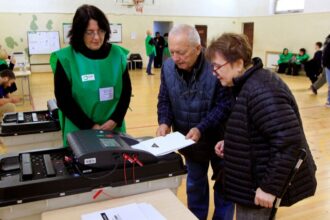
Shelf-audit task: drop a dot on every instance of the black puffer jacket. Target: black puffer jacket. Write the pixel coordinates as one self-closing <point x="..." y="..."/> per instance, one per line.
<point x="263" y="136"/>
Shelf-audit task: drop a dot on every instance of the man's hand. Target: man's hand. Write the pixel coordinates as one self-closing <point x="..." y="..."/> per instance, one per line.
<point x="194" y="134"/>
<point x="264" y="199"/>
<point x="219" y="148"/>
<point x="108" y="125"/>
<point x="163" y="130"/>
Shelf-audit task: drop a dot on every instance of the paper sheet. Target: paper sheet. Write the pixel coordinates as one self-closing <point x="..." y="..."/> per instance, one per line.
<point x="165" y="144"/>
<point x="137" y="211"/>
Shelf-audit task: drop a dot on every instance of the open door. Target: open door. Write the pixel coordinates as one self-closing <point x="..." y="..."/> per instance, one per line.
<point x="202" y="31"/>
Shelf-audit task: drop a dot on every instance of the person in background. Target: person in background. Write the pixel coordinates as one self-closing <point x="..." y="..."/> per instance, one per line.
<point x="326" y="65"/>
<point x="321" y="80"/>
<point x="166" y="51"/>
<point x="297" y="62"/>
<point x="150" y="51"/>
<point x="91" y="80"/>
<point x="159" y="43"/>
<point x="284" y="59"/>
<point x="264" y="133"/>
<point x="313" y="67"/>
<point x="4" y="65"/>
<point x="192" y="102"/>
<point x="7" y="103"/>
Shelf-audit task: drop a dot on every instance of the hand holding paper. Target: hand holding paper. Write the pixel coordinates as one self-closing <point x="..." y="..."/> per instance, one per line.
<point x="164" y="144"/>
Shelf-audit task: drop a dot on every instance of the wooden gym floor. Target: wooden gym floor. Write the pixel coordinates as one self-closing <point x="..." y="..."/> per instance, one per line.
<point x="141" y="120"/>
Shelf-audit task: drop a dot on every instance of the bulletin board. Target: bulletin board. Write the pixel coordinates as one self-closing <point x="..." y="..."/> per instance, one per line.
<point x="115" y="36"/>
<point x="116" y="31"/>
<point x="43" y="42"/>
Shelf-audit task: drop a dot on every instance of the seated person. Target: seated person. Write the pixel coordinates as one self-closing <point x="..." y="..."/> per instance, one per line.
<point x="7" y="103"/>
<point x="3" y="65"/>
<point x="283" y="62"/>
<point x="313" y="67"/>
<point x="297" y="61"/>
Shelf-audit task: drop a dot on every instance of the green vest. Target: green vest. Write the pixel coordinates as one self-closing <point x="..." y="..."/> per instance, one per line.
<point x="301" y="58"/>
<point x="3" y="62"/>
<point x="150" y="48"/>
<point x="90" y="78"/>
<point x="284" y="58"/>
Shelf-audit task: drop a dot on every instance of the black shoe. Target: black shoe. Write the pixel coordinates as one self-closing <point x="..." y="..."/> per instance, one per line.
<point x="314" y="90"/>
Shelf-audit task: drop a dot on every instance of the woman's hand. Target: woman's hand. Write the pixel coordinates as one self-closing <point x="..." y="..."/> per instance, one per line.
<point x="264" y="199"/>
<point x="108" y="125"/>
<point x="219" y="148"/>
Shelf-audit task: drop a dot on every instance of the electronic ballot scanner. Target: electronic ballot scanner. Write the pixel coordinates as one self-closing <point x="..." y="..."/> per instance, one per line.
<point x="95" y="159"/>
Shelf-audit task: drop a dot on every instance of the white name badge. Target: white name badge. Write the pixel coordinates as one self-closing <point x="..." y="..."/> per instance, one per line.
<point x="106" y="94"/>
<point x="88" y="77"/>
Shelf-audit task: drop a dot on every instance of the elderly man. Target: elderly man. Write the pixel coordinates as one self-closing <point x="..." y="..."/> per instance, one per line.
<point x="192" y="102"/>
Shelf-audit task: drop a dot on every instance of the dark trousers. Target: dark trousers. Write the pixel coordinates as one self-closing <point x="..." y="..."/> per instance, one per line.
<point x="282" y="67"/>
<point x="198" y="192"/>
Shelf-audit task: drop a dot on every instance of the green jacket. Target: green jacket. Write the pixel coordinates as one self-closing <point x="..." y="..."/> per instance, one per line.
<point x="301" y="58"/>
<point x="150" y="48"/>
<point x="285" y="58"/>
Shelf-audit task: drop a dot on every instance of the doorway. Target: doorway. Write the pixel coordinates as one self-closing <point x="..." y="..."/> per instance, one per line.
<point x="161" y="28"/>
<point x="202" y="31"/>
<point x="248" y="29"/>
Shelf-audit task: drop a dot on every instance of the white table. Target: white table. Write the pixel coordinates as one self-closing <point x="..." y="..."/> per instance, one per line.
<point x="25" y="79"/>
<point x="163" y="200"/>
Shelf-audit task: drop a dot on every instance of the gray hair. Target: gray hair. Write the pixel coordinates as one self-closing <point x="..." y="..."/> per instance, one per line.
<point x="191" y="32"/>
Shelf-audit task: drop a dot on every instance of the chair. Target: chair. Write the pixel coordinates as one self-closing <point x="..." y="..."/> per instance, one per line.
<point x="136" y="61"/>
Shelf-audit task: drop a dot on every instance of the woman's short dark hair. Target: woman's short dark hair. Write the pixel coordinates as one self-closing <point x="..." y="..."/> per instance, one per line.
<point x="303" y="50"/>
<point x="7" y="73"/>
<point x="80" y="22"/>
<point x="232" y="47"/>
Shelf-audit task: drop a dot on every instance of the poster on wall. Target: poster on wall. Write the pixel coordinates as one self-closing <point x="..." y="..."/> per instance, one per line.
<point x="116" y="30"/>
<point x="43" y="42"/>
<point x="115" y="36"/>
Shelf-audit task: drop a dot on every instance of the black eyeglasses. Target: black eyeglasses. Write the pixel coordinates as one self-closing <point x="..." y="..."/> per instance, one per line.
<point x="217" y="67"/>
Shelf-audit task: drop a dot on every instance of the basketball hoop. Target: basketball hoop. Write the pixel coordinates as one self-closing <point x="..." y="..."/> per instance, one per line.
<point x="138" y="5"/>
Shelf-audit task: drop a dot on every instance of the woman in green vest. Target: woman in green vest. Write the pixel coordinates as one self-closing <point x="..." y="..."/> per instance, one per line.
<point x="297" y="62"/>
<point x="283" y="62"/>
<point x="92" y="84"/>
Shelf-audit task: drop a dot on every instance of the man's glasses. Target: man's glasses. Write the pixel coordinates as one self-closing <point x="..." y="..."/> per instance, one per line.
<point x="92" y="34"/>
<point x="217" y="67"/>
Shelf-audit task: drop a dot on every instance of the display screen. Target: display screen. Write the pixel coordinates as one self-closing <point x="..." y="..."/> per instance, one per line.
<point x="109" y="142"/>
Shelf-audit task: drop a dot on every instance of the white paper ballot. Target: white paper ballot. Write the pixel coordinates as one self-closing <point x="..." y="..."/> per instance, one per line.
<point x="164" y="144"/>
<point x="136" y="211"/>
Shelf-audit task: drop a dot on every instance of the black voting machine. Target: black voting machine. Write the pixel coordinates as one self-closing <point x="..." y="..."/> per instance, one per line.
<point x="21" y="123"/>
<point x="94" y="159"/>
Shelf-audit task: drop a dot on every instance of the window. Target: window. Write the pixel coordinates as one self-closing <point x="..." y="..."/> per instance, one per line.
<point x="289" y="6"/>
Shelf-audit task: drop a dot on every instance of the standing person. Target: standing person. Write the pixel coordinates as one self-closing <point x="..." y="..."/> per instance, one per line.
<point x="7" y="103"/>
<point x="313" y="67"/>
<point x="150" y="51"/>
<point x="284" y="60"/>
<point x="326" y="65"/>
<point x="264" y="133"/>
<point x="159" y="43"/>
<point x="166" y="51"/>
<point x="192" y="102"/>
<point x="92" y="84"/>
<point x="321" y="80"/>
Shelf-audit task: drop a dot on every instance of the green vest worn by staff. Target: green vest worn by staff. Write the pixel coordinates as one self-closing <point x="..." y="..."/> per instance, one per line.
<point x="96" y="84"/>
<point x="150" y="48"/>
<point x="3" y="62"/>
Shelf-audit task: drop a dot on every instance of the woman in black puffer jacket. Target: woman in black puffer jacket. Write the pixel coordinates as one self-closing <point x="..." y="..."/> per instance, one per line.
<point x="264" y="133"/>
